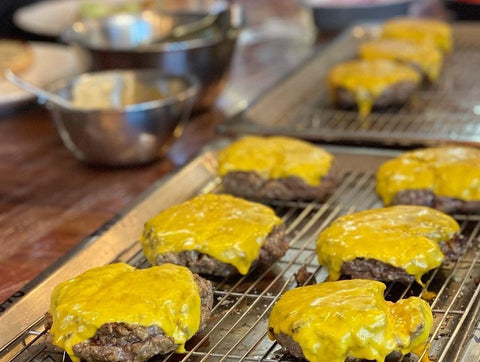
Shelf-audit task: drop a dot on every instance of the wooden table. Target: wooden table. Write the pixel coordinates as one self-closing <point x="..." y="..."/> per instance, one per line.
<point x="49" y="201"/>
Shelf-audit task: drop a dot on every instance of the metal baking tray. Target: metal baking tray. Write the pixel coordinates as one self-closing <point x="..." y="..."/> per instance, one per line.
<point x="300" y="106"/>
<point x="237" y="329"/>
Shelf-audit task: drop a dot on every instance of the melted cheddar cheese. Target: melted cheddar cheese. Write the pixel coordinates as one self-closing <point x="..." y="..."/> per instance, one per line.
<point x="368" y="79"/>
<point x="425" y="57"/>
<point x="406" y="237"/>
<point x="420" y="30"/>
<point x="350" y="318"/>
<point x="447" y="171"/>
<point x="165" y="296"/>
<point x="227" y="228"/>
<point x="276" y="157"/>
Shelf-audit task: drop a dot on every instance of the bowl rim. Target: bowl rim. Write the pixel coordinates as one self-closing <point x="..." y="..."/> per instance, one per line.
<point x="69" y="35"/>
<point x="189" y="93"/>
<point x="332" y="5"/>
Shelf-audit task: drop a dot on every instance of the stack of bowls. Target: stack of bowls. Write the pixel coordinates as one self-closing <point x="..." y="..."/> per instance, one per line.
<point x="143" y="40"/>
<point x="181" y="56"/>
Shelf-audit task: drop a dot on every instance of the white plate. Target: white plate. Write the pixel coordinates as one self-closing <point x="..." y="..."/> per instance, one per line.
<point x="51" y="17"/>
<point x="47" y="18"/>
<point x="50" y="62"/>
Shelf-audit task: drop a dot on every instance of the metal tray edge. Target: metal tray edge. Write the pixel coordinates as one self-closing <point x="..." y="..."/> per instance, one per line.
<point x="102" y="248"/>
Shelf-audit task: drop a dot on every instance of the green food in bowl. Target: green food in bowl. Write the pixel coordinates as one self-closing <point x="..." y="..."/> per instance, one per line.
<point x="98" y="10"/>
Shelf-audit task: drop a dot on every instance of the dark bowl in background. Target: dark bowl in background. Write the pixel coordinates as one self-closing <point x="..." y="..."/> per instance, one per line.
<point x="464" y="10"/>
<point x="332" y="17"/>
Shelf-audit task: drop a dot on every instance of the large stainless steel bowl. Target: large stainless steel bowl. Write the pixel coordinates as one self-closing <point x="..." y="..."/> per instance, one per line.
<point x="122" y="42"/>
<point x="131" y="135"/>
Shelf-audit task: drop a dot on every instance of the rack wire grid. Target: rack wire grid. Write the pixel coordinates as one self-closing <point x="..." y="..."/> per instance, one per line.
<point x="445" y="112"/>
<point x="237" y="329"/>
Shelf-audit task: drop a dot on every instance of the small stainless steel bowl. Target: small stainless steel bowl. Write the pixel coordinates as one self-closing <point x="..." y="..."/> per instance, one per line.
<point x="121" y="42"/>
<point x="127" y="136"/>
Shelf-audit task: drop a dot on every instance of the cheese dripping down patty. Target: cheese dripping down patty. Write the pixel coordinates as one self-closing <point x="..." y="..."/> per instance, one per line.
<point x="165" y="296"/>
<point x="225" y="227"/>
<point x="276" y="157"/>
<point x="367" y="79"/>
<point x="405" y="237"/>
<point x="350" y="318"/>
<point x="447" y="171"/>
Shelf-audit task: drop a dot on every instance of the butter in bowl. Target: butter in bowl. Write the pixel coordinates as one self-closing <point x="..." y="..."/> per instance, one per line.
<point x="122" y="118"/>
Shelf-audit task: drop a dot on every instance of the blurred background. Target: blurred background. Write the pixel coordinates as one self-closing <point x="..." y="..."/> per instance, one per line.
<point x="293" y="29"/>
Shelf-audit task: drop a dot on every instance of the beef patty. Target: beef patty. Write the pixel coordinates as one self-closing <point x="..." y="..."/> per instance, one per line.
<point x="251" y="185"/>
<point x="393" y="96"/>
<point x="448" y="205"/>
<point x="361" y="268"/>
<point x="273" y="248"/>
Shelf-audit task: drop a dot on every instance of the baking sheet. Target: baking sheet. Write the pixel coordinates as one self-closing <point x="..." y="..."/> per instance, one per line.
<point x="446" y="112"/>
<point x="237" y="329"/>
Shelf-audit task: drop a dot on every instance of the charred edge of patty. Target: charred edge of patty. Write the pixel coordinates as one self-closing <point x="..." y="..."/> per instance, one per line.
<point x="294" y="349"/>
<point x="251" y="185"/>
<point x="273" y="248"/>
<point x="131" y="342"/>
<point x="448" y="205"/>
<point x="373" y="269"/>
<point x="205" y="289"/>
<point x="361" y="268"/>
<point x="395" y="95"/>
<point x="124" y="342"/>
<point x="454" y="248"/>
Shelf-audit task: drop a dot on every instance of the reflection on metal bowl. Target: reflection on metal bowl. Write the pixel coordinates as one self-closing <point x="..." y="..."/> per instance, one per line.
<point x="124" y="135"/>
<point x="127" y="41"/>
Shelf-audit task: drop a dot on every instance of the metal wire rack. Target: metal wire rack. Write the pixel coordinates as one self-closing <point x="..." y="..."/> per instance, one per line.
<point x="445" y="112"/>
<point x="237" y="328"/>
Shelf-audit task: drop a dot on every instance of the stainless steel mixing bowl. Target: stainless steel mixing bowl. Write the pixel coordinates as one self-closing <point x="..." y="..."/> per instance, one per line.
<point x="130" y="135"/>
<point x="122" y="42"/>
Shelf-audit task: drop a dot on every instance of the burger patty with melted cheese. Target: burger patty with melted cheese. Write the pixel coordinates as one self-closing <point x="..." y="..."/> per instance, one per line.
<point x="424" y="57"/>
<point x="406" y="239"/>
<point x="119" y="313"/>
<point x="369" y="83"/>
<point x="211" y="232"/>
<point x="350" y="318"/>
<point x="450" y="172"/>
<point x="421" y="30"/>
<point x="275" y="168"/>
